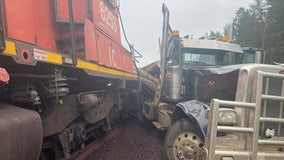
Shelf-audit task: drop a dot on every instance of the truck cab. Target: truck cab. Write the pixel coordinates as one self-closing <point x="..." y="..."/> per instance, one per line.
<point x="195" y="59"/>
<point x="178" y="89"/>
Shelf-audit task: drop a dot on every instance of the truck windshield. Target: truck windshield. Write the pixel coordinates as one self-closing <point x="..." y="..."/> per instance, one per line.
<point x="199" y="58"/>
<point x="249" y="58"/>
<point x="213" y="57"/>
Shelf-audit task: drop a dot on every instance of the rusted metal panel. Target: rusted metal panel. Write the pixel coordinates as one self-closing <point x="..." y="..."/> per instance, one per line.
<point x="79" y="10"/>
<point x="90" y="42"/>
<point x="20" y="132"/>
<point x="20" y="20"/>
<point x="106" y="19"/>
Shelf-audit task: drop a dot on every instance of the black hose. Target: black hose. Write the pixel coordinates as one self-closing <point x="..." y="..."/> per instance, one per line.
<point x="133" y="51"/>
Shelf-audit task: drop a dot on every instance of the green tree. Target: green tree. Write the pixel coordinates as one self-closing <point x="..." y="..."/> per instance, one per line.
<point x="259" y="10"/>
<point x="261" y="26"/>
<point x="215" y="34"/>
<point x="274" y="32"/>
<point x="229" y="30"/>
<point x="259" y="14"/>
<point x="248" y="28"/>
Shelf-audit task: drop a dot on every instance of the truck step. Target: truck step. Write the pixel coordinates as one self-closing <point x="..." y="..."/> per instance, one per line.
<point x="164" y="117"/>
<point x="158" y="125"/>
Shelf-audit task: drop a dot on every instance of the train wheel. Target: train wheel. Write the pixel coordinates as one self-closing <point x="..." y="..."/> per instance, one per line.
<point x="182" y="143"/>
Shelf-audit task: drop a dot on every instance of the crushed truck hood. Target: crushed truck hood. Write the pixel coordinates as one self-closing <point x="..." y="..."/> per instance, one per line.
<point x="207" y="82"/>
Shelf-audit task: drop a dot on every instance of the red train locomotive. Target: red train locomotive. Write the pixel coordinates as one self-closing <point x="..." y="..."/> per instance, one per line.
<point x="64" y="75"/>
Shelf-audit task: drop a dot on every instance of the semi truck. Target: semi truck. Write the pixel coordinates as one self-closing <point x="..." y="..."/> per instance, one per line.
<point x="64" y="76"/>
<point x="179" y="88"/>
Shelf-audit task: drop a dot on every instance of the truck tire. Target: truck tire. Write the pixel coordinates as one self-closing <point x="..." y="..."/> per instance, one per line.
<point x="182" y="142"/>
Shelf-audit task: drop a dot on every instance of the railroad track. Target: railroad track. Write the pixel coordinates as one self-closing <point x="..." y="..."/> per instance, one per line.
<point x="90" y="149"/>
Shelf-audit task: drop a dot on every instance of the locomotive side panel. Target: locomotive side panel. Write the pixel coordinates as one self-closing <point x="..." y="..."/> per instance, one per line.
<point x="20" y="27"/>
<point x="44" y="25"/>
<point x="62" y="10"/>
<point x="105" y="18"/>
<point x="104" y="49"/>
<point x="128" y="63"/>
<point x="91" y="53"/>
<point x="46" y="28"/>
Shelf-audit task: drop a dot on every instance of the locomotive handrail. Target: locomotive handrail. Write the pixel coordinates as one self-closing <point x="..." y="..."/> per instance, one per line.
<point x="72" y="31"/>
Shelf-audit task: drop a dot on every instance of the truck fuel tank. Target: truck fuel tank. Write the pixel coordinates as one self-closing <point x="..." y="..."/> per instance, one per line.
<point x="173" y="88"/>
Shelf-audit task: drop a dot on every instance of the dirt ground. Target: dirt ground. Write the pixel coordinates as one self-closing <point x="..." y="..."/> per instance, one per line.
<point x="134" y="141"/>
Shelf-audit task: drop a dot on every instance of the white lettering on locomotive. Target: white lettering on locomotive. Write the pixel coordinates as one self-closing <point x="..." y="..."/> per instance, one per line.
<point x="111" y="56"/>
<point x="108" y="17"/>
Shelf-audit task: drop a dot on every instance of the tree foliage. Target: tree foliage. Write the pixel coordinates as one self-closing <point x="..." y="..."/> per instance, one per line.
<point x="249" y="26"/>
<point x="214" y="34"/>
<point x="274" y="33"/>
<point x="261" y="26"/>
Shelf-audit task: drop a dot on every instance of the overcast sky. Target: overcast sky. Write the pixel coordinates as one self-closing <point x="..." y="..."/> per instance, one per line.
<point x="143" y="20"/>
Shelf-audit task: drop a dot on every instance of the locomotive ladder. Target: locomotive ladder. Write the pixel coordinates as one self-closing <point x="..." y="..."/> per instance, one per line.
<point x="252" y="130"/>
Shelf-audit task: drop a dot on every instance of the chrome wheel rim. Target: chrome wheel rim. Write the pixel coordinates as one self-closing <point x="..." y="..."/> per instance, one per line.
<point x="186" y="146"/>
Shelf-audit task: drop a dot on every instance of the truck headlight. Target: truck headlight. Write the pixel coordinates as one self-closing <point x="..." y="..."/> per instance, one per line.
<point x="227" y="116"/>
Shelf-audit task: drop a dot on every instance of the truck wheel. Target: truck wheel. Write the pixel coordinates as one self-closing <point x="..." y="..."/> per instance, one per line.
<point x="181" y="142"/>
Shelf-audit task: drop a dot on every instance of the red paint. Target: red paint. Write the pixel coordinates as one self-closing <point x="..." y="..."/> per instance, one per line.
<point x="90" y="42"/>
<point x="20" y="20"/>
<point x="111" y="54"/>
<point x="106" y="19"/>
<point x="103" y="46"/>
<point x="128" y="63"/>
<point x="34" y="22"/>
<point x="45" y="25"/>
<point x="79" y="10"/>
<point x="4" y="76"/>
